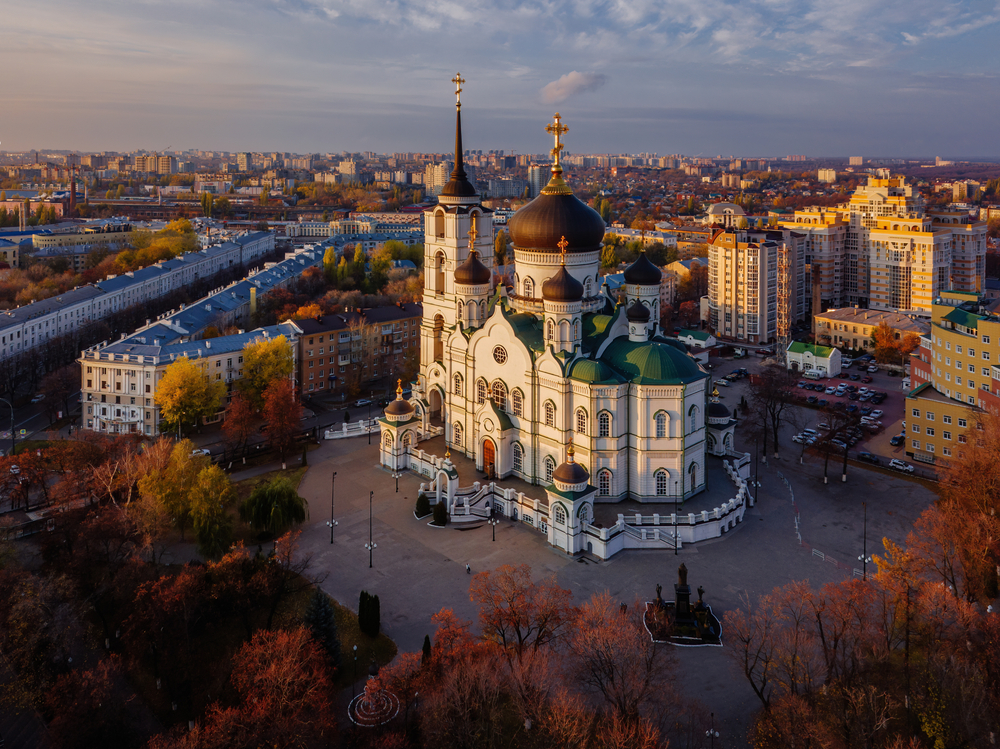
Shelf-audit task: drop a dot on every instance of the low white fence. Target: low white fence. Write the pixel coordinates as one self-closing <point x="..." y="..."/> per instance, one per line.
<point x="352" y="429"/>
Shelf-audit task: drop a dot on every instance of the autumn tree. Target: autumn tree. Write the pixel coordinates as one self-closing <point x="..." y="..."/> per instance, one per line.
<point x="210" y="497"/>
<point x="171" y="486"/>
<point x="273" y="506"/>
<point x="185" y="393"/>
<point x="283" y="413"/>
<point x="500" y="248"/>
<point x="265" y="360"/>
<point x="238" y="423"/>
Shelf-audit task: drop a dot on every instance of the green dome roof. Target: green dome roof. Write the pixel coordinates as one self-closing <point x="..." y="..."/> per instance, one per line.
<point x="651" y="362"/>
<point x="589" y="370"/>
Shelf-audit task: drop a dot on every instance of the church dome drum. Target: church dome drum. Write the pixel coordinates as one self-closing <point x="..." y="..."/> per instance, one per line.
<point x="472" y="272"/>
<point x="642" y="272"/>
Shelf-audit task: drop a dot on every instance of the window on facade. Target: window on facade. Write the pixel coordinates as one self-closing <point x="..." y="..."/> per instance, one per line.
<point x="550" y="467"/>
<point x="661" y="483"/>
<point x="916" y="412"/>
<point x="517" y="400"/>
<point x="963" y="423"/>
<point x="930" y="431"/>
<point x="499" y="394"/>
<point x="560" y="515"/>
<point x="457" y="435"/>
<point x="458" y="384"/>
<point x="694" y="419"/>
<point x="604" y="483"/>
<point x="581" y="421"/>
<point x="661" y="425"/>
<point x="481" y="391"/>
<point x="518" y="454"/>
<point x="604" y="424"/>
<point x="550" y="415"/>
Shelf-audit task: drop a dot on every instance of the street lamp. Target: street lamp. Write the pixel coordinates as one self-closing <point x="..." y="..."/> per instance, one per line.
<point x="864" y="558"/>
<point x="333" y="523"/>
<point x="494" y="522"/>
<point x="396" y="474"/>
<point x="12" y="435"/>
<point x="354" y="683"/>
<point x="712" y="733"/>
<point x="371" y="545"/>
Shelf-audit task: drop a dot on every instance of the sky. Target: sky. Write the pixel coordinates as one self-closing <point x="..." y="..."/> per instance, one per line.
<point x="891" y="78"/>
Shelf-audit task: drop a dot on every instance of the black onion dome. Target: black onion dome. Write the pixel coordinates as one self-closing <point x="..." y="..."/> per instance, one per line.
<point x="643" y="273"/>
<point x="555" y="214"/>
<point x="458" y="186"/>
<point x="472" y="272"/>
<point x="562" y="287"/>
<point x="717" y="411"/>
<point x="570" y="473"/>
<point x="399" y="407"/>
<point x="638" y="312"/>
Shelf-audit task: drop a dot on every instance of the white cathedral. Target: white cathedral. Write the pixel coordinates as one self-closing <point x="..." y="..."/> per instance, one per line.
<point x="552" y="375"/>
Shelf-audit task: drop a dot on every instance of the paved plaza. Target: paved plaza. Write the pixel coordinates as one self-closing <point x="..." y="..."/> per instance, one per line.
<point x="418" y="569"/>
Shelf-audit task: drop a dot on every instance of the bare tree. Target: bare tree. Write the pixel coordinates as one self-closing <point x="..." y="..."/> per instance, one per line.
<point x="771" y="395"/>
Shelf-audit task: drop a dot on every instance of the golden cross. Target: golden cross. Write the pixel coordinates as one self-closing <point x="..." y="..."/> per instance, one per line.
<point x="562" y="244"/>
<point x="557" y="129"/>
<point x="458" y="80"/>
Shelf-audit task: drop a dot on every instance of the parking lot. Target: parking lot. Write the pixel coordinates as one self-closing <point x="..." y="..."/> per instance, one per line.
<point x="811" y="415"/>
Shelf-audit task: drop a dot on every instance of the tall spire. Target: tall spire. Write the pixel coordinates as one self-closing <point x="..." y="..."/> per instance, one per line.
<point x="458" y="186"/>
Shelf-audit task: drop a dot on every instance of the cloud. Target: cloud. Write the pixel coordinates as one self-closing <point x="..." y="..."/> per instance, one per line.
<point x="571" y="84"/>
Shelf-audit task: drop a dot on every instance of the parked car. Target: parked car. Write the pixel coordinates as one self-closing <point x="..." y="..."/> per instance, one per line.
<point x="831" y="390"/>
<point x="878" y="398"/>
<point x="869" y="458"/>
<point x="823" y="425"/>
<point x="812" y="399"/>
<point x="824" y="402"/>
<point x="865" y="397"/>
<point x="876" y="414"/>
<point x="38" y="398"/>
<point x="801" y="384"/>
<point x="199" y="451"/>
<point x="866" y="378"/>
<point x="852" y="408"/>
<point x="866" y="410"/>
<point x="853" y="396"/>
<point x="798" y="438"/>
<point x="362" y="402"/>
<point x="724" y="383"/>
<point x="811" y="432"/>
<point x="872" y="369"/>
<point x="899" y="465"/>
<point x="838" y="443"/>
<point x="855" y="377"/>
<point x="897" y="440"/>
<point x="16" y="470"/>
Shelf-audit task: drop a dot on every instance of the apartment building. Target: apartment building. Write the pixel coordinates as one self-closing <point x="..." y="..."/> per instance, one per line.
<point x="955" y="374"/>
<point x="883" y="249"/>
<point x="345" y="350"/>
<point x="118" y="381"/>
<point x="852" y="327"/>
<point x="743" y="267"/>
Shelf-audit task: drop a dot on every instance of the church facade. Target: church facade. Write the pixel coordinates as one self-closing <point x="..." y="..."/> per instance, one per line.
<point x="551" y="370"/>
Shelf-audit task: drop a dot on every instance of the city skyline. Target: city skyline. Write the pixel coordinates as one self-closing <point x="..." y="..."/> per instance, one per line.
<point x="759" y="78"/>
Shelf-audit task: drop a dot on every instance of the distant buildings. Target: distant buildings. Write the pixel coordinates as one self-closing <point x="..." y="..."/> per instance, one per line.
<point x="826" y="175"/>
<point x="852" y="327"/>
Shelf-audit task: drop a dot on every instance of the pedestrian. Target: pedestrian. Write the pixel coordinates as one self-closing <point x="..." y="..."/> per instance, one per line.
<point x="468" y="570"/>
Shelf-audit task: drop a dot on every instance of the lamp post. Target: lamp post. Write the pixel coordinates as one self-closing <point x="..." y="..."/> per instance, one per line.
<point x="864" y="558"/>
<point x="12" y="434"/>
<point x="370" y="416"/>
<point x="494" y="522"/>
<point x="371" y="544"/>
<point x="354" y="683"/>
<point x="712" y="733"/>
<point x="395" y="475"/>
<point x="333" y="523"/>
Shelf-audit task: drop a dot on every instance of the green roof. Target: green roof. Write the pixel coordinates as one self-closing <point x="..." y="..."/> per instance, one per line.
<point x="700" y="335"/>
<point x="651" y="362"/>
<point x="964" y="318"/>
<point x="595" y="330"/>
<point x="528" y="330"/>
<point x="595" y="372"/>
<point x="823" y="352"/>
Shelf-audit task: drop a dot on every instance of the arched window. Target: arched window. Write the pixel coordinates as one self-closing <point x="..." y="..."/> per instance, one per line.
<point x="693" y="413"/>
<point x="481" y="391"/>
<point x="550" y="467"/>
<point x="482" y="310"/>
<point x="661" y="483"/>
<point x="439" y="224"/>
<point x="439" y="273"/>
<point x="388" y="441"/>
<point x="661" y="425"/>
<point x="499" y="394"/>
<point x="517" y="401"/>
<point x="458" y="384"/>
<point x="456" y="434"/>
<point x="604" y="482"/>
<point x="518" y="453"/>
<point x="407" y="439"/>
<point x="564" y="330"/>
<point x="529" y="288"/>
<point x="550" y="414"/>
<point x="438" y="338"/>
<point x="604" y="424"/>
<point x="560" y="515"/>
<point x="693" y="471"/>
<point x="576" y="330"/>
<point x="581" y="421"/>
<point x="586" y="289"/>
<point x="461" y="311"/>
<point x="550" y="329"/>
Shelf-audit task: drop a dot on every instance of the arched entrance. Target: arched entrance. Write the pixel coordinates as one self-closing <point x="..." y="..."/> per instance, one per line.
<point x="438" y="338"/>
<point x="434" y="400"/>
<point x="489" y="458"/>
